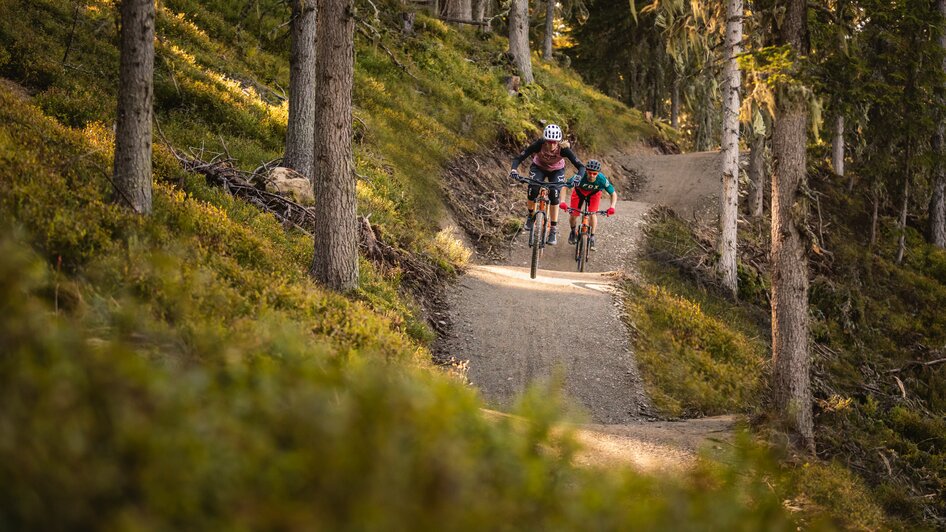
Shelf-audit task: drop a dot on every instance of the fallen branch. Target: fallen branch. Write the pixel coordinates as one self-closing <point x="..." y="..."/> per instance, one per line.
<point x="917" y="363"/>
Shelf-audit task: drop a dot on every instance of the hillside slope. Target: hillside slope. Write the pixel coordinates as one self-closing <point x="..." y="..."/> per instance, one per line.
<point x="181" y="372"/>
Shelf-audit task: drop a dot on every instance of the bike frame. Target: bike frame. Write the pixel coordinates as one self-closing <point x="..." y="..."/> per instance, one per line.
<point x="541" y="220"/>
<point x="582" y="247"/>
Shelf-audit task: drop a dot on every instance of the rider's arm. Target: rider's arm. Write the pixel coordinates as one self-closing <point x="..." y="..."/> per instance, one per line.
<point x="570" y="155"/>
<point x="610" y="190"/>
<point x="530" y="150"/>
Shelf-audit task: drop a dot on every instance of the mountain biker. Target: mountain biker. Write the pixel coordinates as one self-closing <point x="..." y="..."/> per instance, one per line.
<point x="548" y="164"/>
<point x="588" y="191"/>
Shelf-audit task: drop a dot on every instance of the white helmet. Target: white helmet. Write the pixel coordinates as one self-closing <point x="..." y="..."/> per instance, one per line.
<point x="553" y="132"/>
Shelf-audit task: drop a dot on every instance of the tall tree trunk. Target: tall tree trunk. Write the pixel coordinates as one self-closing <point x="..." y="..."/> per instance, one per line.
<point x="486" y="7"/>
<point x="132" y="166"/>
<point x="519" y="39"/>
<point x="675" y="102"/>
<point x="837" y="145"/>
<point x="937" y="214"/>
<point x="757" y="175"/>
<point x="549" y="29"/>
<point x="459" y="9"/>
<point x="873" y="218"/>
<point x="335" y="262"/>
<point x="300" y="133"/>
<point x="791" y="364"/>
<point x="729" y="199"/>
<point x="937" y="211"/>
<point x="479" y="10"/>
<point x="905" y="206"/>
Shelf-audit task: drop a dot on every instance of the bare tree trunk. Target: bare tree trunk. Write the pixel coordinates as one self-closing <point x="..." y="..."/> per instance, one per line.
<point x="675" y="102"/>
<point x="905" y="207"/>
<point x="757" y="175"/>
<point x="937" y="211"/>
<point x="486" y="7"/>
<point x="549" y="29"/>
<point x="729" y="199"/>
<point x="335" y="262"/>
<point x="408" y="16"/>
<point x="300" y="133"/>
<point x="479" y="10"/>
<point x="837" y="145"/>
<point x="459" y="9"/>
<point x="519" y="39"/>
<point x="791" y="364"/>
<point x="132" y="166"/>
<point x="873" y="219"/>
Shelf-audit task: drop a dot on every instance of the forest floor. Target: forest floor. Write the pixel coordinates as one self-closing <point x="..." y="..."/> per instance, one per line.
<point x="569" y="327"/>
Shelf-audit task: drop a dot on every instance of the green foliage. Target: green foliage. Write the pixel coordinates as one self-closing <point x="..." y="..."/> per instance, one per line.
<point x="275" y="434"/>
<point x="695" y="360"/>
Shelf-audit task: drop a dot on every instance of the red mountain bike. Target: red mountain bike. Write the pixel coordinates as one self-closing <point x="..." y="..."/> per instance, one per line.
<point x="540" y="224"/>
<point x="583" y="244"/>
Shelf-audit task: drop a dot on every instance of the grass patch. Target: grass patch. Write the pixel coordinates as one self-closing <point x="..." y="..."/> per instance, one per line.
<point x="695" y="355"/>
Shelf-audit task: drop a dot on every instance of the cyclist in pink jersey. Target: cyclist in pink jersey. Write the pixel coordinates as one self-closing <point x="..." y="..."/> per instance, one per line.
<point x="548" y="164"/>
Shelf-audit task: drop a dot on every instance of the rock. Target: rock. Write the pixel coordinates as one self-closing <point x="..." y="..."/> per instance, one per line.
<point x="287" y="181"/>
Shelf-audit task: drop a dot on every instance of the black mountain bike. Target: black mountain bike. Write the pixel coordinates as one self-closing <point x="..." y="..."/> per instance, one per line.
<point x="540" y="224"/>
<point x="583" y="244"/>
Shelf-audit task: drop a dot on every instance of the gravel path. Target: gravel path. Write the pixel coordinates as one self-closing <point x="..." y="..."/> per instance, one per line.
<point x="568" y="326"/>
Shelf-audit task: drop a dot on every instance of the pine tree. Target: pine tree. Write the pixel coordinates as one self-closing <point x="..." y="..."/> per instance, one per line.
<point x="519" y="39"/>
<point x="790" y="353"/>
<point x="132" y="167"/>
<point x="300" y="130"/>
<point x="335" y="262"/>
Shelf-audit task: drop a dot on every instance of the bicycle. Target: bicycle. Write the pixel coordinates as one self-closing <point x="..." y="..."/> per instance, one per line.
<point x="582" y="244"/>
<point x="540" y="222"/>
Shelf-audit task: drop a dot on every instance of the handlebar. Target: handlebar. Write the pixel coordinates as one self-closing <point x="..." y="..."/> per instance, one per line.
<point x="579" y="211"/>
<point x="545" y="184"/>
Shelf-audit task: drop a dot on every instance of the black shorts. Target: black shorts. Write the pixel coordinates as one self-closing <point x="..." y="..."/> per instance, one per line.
<point x="549" y="176"/>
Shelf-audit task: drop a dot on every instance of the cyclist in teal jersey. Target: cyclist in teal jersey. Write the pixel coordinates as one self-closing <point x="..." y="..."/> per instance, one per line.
<point x="588" y="193"/>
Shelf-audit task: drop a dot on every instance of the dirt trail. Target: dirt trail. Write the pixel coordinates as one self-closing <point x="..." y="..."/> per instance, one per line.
<point x="516" y="331"/>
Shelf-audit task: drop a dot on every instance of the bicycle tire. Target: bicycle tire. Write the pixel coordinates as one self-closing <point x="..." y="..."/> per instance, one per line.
<point x="582" y="252"/>
<point x="538" y="243"/>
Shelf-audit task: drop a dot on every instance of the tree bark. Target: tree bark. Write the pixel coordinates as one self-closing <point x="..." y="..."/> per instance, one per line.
<point x="300" y="133"/>
<point x="479" y="10"/>
<point x="549" y="29"/>
<point x="335" y="262"/>
<point x="791" y="363"/>
<point x="519" y="39"/>
<point x="459" y="9"/>
<point x="905" y="206"/>
<point x="837" y="145"/>
<point x="873" y="219"/>
<point x="757" y="175"/>
<point x="132" y="165"/>
<point x="729" y="199"/>
<point x="937" y="210"/>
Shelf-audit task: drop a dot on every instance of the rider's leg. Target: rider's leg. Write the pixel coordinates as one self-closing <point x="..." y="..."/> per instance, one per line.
<point x="534" y="173"/>
<point x="556" y="176"/>
<point x="594" y="223"/>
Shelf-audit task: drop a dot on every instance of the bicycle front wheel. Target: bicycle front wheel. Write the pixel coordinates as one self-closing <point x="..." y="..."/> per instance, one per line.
<point x="538" y="229"/>
<point x="582" y="252"/>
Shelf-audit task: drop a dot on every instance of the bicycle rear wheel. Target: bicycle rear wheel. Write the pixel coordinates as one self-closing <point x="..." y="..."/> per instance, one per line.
<point x="582" y="252"/>
<point x="538" y="240"/>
